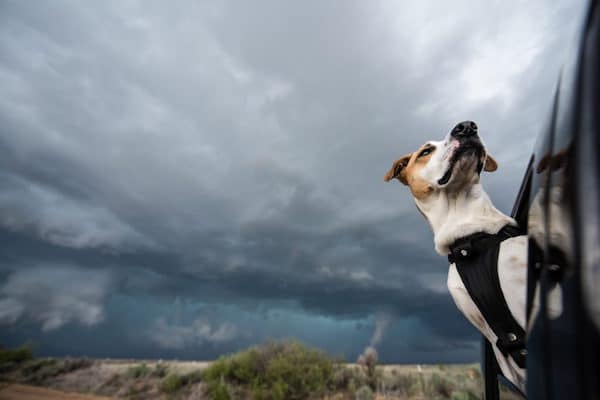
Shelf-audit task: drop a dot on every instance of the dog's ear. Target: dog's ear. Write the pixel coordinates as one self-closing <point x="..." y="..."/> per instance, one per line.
<point x="397" y="170"/>
<point x="490" y="164"/>
<point x="552" y="161"/>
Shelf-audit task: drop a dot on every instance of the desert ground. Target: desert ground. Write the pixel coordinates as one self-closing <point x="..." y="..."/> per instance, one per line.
<point x="84" y="379"/>
<point x="276" y="370"/>
<point x="13" y="391"/>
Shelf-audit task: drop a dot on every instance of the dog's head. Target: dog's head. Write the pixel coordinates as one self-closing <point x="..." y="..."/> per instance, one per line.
<point x="450" y="165"/>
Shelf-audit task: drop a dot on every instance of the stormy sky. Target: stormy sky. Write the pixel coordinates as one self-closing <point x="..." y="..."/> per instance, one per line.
<point x="185" y="179"/>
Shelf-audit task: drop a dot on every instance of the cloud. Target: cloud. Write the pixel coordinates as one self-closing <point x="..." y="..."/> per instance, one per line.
<point x="484" y="65"/>
<point x="200" y="331"/>
<point x="10" y="310"/>
<point x="58" y="219"/>
<point x="233" y="154"/>
<point x="53" y="296"/>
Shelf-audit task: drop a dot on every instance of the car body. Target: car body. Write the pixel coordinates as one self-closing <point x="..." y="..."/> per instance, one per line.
<point x="559" y="205"/>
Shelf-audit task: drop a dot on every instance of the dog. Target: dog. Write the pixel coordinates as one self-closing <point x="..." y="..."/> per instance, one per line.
<point x="444" y="179"/>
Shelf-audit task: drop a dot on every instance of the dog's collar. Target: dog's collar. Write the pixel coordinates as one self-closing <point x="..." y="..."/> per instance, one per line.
<point x="469" y="246"/>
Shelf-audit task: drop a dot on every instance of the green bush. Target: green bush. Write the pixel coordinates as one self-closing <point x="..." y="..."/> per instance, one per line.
<point x="174" y="382"/>
<point x="138" y="371"/>
<point x="344" y="376"/>
<point x="402" y="383"/>
<point x="466" y="395"/>
<point x="17" y="355"/>
<point x="438" y="387"/>
<point x="33" y="366"/>
<point x="193" y="377"/>
<point x="39" y="370"/>
<point x="7" y="367"/>
<point x="275" y="370"/>
<point x="348" y="378"/>
<point x="221" y="392"/>
<point x="73" y="364"/>
<point x="159" y="371"/>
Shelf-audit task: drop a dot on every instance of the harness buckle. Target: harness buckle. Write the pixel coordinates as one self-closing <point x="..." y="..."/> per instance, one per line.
<point x="513" y="345"/>
<point x="461" y="251"/>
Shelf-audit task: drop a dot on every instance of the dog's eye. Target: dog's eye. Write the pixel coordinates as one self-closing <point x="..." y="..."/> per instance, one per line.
<point x="426" y="151"/>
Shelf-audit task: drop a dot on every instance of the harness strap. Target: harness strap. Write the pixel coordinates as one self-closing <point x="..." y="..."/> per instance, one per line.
<point x="476" y="260"/>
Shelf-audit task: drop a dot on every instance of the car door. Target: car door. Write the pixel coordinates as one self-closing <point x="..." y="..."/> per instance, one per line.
<point x="563" y="226"/>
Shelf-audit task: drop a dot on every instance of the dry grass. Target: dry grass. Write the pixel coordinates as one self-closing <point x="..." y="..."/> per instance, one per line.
<point x="131" y="379"/>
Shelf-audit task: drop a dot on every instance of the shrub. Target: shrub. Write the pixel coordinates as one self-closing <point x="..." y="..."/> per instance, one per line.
<point x="466" y="395"/>
<point x="33" y="366"/>
<point x="159" y="371"/>
<point x="275" y="370"/>
<point x="438" y="387"/>
<point x="193" y="377"/>
<point x="172" y="383"/>
<point x="7" y="367"/>
<point x="364" y="393"/>
<point x="348" y="378"/>
<point x="402" y="383"/>
<point x="221" y="392"/>
<point x="17" y="355"/>
<point x="279" y="390"/>
<point x="138" y="371"/>
<point x="38" y="370"/>
<point x="73" y="364"/>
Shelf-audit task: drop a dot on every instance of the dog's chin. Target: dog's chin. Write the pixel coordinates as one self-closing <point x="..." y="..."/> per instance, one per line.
<point x="464" y="171"/>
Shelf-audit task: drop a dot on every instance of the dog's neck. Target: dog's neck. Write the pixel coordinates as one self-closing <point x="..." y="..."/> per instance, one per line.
<point x="456" y="215"/>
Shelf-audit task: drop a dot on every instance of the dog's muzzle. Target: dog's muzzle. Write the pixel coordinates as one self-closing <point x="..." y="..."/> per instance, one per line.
<point x="464" y="129"/>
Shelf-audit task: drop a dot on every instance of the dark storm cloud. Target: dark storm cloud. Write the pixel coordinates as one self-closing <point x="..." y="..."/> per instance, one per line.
<point x="232" y="154"/>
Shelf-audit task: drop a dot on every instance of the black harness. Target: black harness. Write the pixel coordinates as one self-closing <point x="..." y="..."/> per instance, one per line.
<point x="476" y="259"/>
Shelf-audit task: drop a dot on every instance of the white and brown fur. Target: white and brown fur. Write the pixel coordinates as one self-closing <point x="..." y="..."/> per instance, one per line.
<point x="458" y="208"/>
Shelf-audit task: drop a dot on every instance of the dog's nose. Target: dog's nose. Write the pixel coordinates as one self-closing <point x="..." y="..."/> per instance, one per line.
<point x="464" y="129"/>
